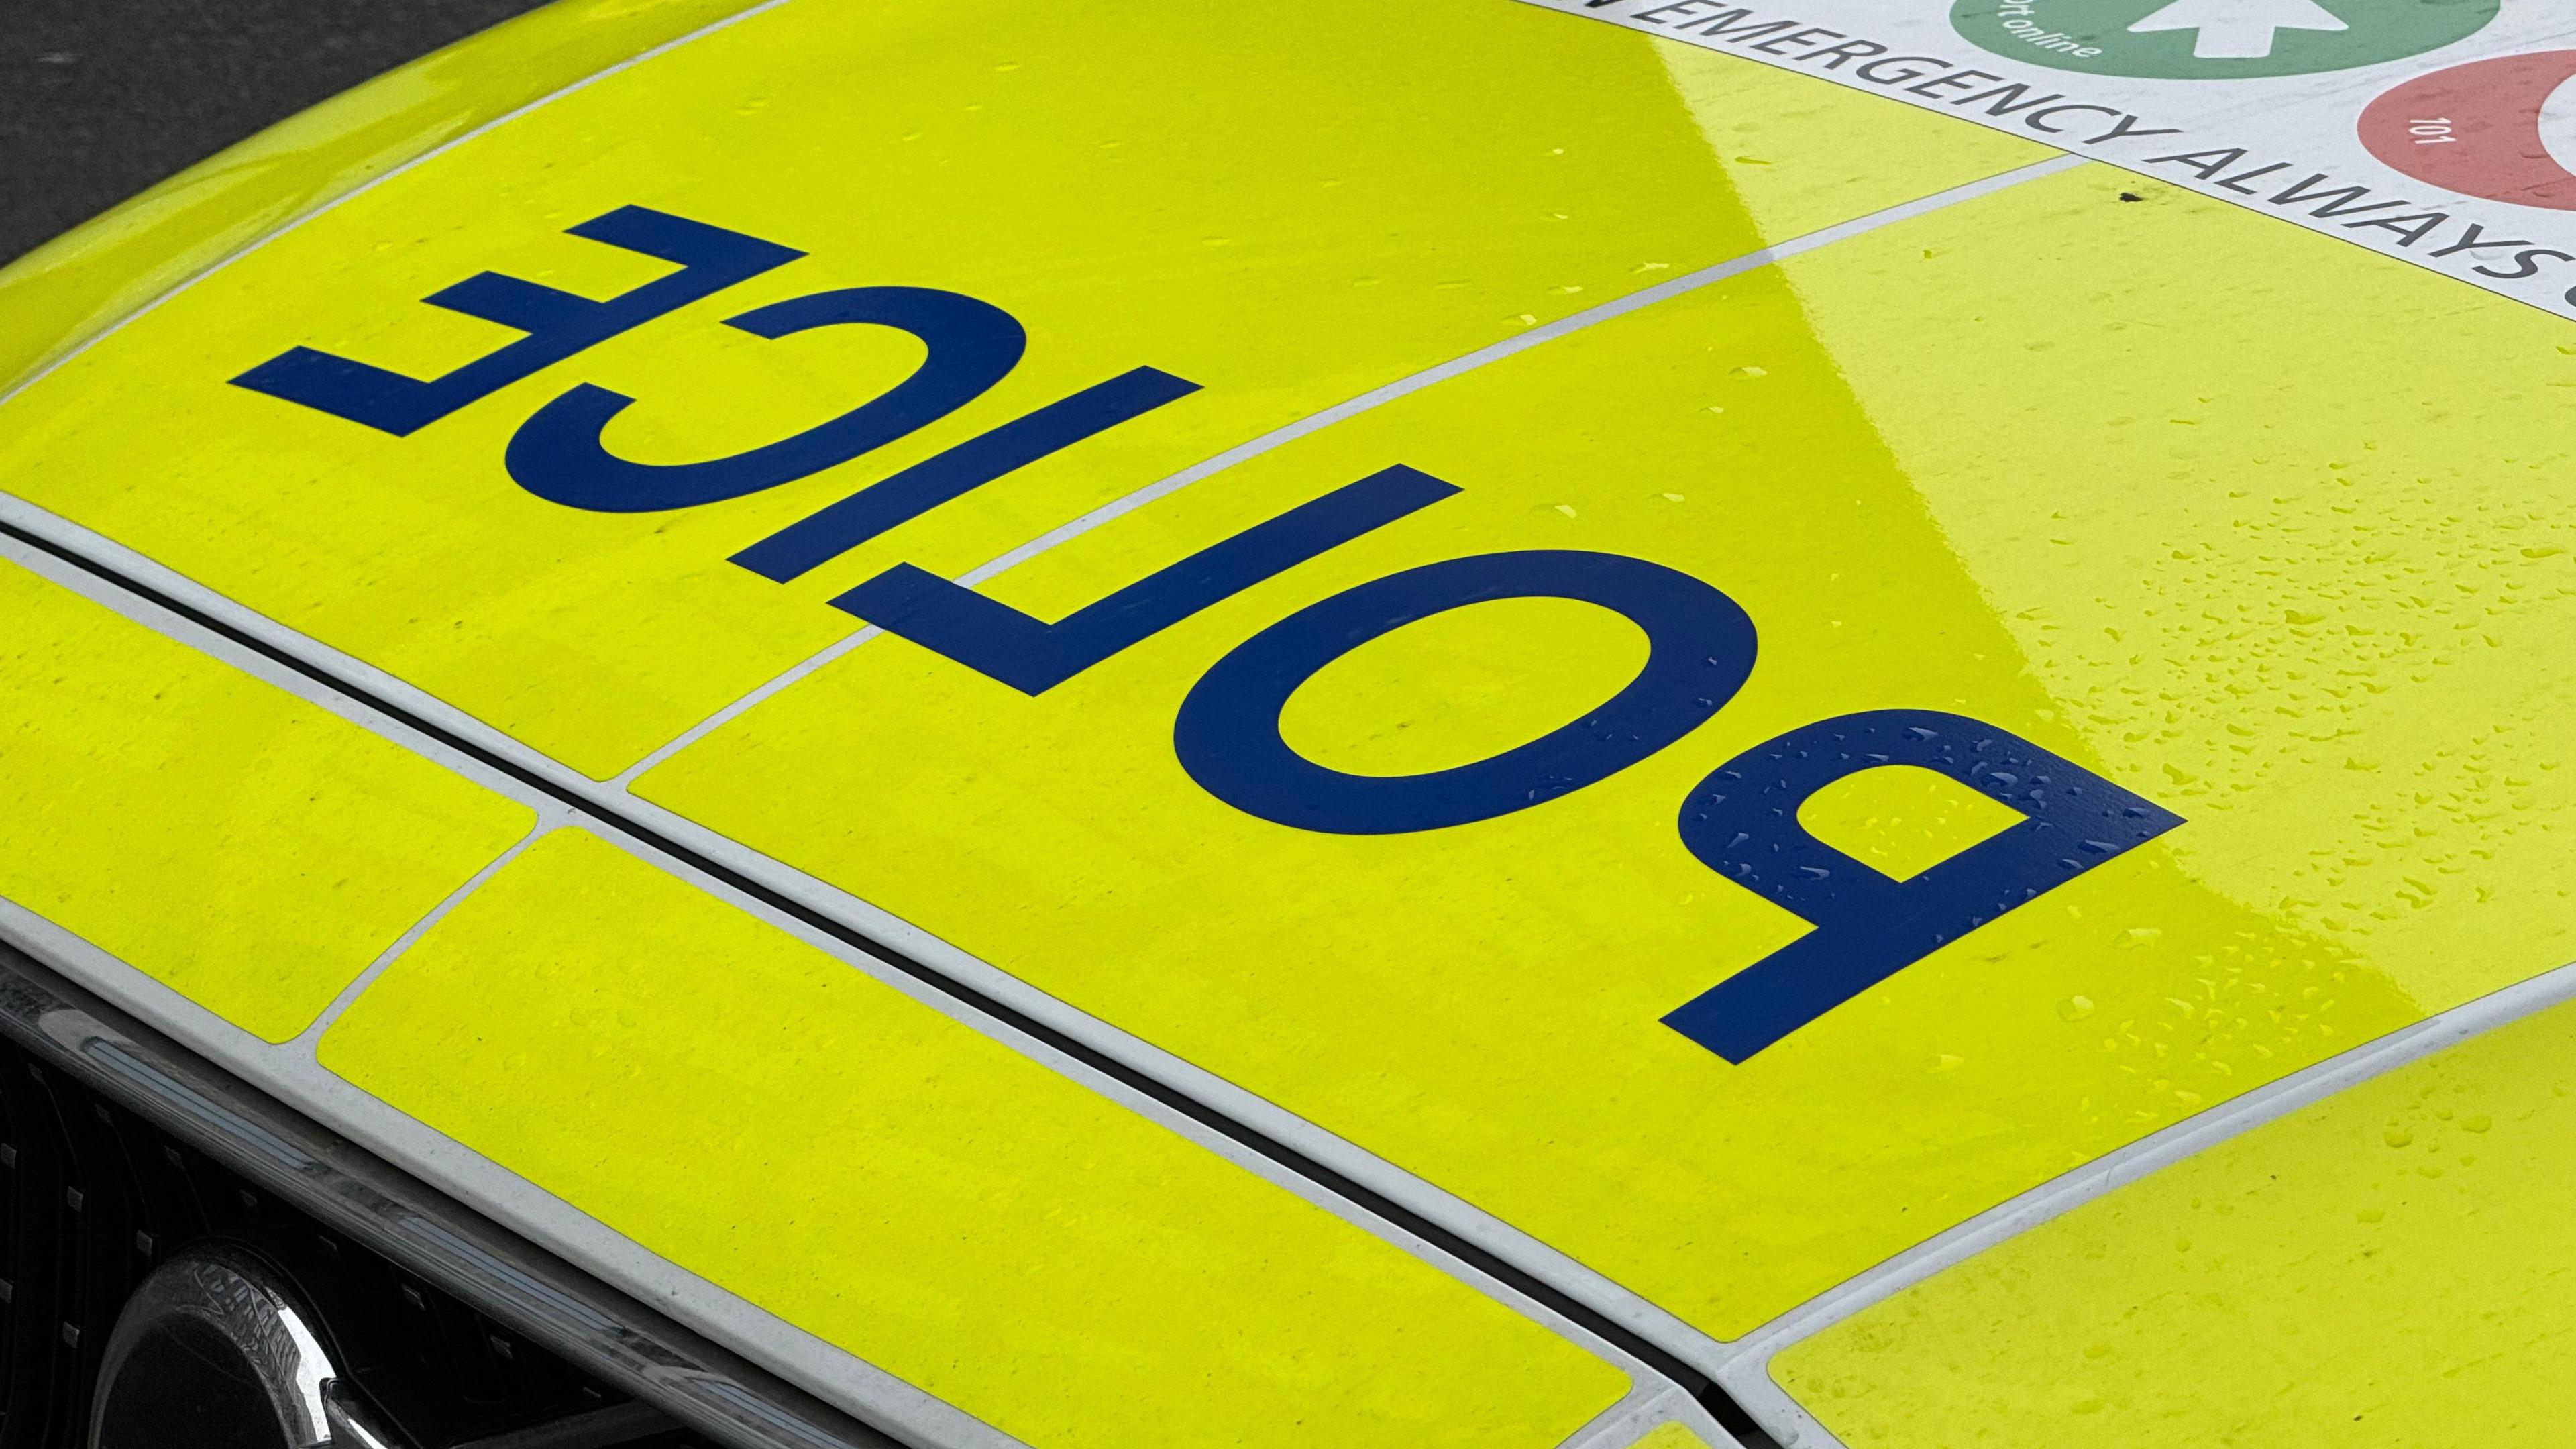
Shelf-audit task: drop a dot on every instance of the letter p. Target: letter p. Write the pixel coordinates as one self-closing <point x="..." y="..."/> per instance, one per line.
<point x="1742" y="822"/>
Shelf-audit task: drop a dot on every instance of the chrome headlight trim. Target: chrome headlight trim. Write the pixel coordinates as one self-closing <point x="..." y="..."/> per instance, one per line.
<point x="604" y="1333"/>
<point x="242" y="1303"/>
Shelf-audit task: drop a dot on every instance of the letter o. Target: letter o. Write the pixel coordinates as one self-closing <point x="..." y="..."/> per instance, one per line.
<point x="1700" y="648"/>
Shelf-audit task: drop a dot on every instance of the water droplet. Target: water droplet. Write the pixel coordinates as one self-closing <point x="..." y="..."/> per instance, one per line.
<point x="2397" y="1137"/>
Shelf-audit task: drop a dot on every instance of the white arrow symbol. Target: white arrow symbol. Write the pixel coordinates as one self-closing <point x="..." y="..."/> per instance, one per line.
<point x="2237" y="29"/>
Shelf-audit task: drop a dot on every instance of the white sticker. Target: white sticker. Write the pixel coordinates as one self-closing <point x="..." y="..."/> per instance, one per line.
<point x="2442" y="132"/>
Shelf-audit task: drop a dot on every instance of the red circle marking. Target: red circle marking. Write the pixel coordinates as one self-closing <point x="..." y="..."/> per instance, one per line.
<point x="2475" y="129"/>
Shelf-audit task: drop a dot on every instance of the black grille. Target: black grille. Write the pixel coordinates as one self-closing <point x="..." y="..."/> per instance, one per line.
<point x="97" y="1196"/>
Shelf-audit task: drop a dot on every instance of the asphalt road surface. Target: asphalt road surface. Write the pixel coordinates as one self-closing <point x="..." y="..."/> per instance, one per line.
<point x="101" y="98"/>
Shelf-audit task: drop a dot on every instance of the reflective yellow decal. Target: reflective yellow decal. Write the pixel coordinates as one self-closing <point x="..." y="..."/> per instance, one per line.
<point x="2392" y="1266"/>
<point x="1733" y="789"/>
<point x="217" y="834"/>
<point x="2199" y="519"/>
<point x="759" y="1113"/>
<point x="1172" y="277"/>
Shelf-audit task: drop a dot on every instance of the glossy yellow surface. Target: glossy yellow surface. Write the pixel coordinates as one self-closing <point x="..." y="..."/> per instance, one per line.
<point x="2259" y="525"/>
<point x="2390" y="1267"/>
<point x="1902" y="820"/>
<point x="63" y="293"/>
<point x="2210" y="506"/>
<point x="1290" y="211"/>
<point x="1804" y="155"/>
<point x="2278" y="524"/>
<point x="761" y="1114"/>
<point x="1671" y="1436"/>
<point x="218" y="834"/>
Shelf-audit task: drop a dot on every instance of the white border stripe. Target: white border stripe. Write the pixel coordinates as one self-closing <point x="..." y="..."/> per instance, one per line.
<point x="772" y="1340"/>
<point x="1746" y="1373"/>
<point x="1537" y="336"/>
<point x="1742" y="1367"/>
<point x="578" y="1238"/>
<point x="290" y="1074"/>
<point x="550" y="817"/>
<point x="1378" y="397"/>
<point x="832" y="1374"/>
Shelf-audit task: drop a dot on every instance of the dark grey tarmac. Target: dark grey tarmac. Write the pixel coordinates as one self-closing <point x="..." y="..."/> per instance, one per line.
<point x="99" y="99"/>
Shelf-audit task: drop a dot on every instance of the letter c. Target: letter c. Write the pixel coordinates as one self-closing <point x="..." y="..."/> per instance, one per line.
<point x="558" y="455"/>
<point x="2034" y="119"/>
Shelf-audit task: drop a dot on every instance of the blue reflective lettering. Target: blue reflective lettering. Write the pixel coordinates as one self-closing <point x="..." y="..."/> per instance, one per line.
<point x="558" y="324"/>
<point x="558" y="456"/>
<point x="1701" y="647"/>
<point x="979" y="460"/>
<point x="1033" y="656"/>
<point x="1742" y="822"/>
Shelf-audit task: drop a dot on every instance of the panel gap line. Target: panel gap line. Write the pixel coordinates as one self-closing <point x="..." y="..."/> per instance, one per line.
<point x="809" y="907"/>
<point x="306" y="1043"/>
<point x="623" y="781"/>
<point x="1748" y="1357"/>
<point x="289" y="649"/>
<point x="1369" y="401"/>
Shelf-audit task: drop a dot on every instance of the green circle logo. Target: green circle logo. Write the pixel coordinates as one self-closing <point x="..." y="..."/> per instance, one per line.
<point x="2216" y="39"/>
